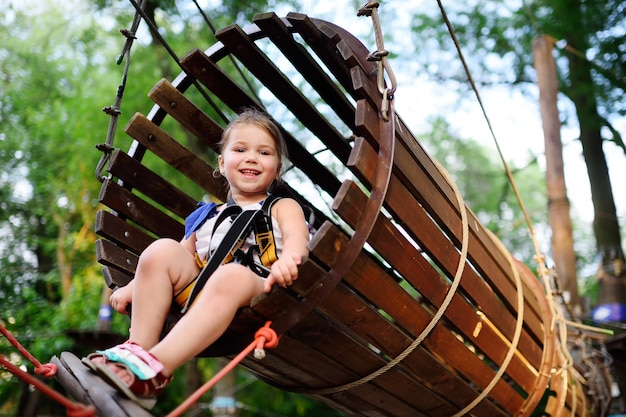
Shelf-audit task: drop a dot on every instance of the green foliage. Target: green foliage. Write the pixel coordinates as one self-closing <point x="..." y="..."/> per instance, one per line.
<point x="49" y="113"/>
<point x="496" y="39"/>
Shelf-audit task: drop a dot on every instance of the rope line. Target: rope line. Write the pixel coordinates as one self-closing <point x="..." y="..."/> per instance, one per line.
<point x="435" y="319"/>
<point x="48" y="370"/>
<point x="380" y="55"/>
<point x="516" y="336"/>
<point x="265" y="337"/>
<point x="114" y="110"/>
<point x="558" y="317"/>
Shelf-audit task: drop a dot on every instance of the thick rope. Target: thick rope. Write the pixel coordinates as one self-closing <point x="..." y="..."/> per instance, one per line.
<point x="265" y="337"/>
<point x="48" y="370"/>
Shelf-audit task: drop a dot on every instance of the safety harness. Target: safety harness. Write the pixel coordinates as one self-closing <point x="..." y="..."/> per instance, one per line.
<point x="244" y="222"/>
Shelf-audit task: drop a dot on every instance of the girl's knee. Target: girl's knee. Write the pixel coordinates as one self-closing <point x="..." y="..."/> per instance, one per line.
<point x="165" y="255"/>
<point x="158" y="250"/>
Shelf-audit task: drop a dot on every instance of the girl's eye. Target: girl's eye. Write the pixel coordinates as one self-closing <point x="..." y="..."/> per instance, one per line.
<point x="240" y="150"/>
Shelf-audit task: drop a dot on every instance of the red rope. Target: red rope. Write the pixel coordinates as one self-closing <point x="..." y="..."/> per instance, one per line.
<point x="48" y="370"/>
<point x="264" y="337"/>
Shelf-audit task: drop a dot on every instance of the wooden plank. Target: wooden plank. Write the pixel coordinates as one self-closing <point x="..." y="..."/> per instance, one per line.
<point x="141" y="212"/>
<point x="490" y="261"/>
<point x="167" y="148"/>
<point x="380" y="289"/>
<point x="186" y="113"/>
<point x="276" y="29"/>
<point x="154" y="186"/>
<point x="384" y="396"/>
<point x="316" y="349"/>
<point x="372" y="331"/>
<point x="406" y="177"/>
<point x="431" y="174"/>
<point x="413" y="218"/>
<point x="114" y="278"/>
<point x="121" y="232"/>
<point x="109" y="254"/>
<point x="441" y="199"/>
<point x="340" y="349"/>
<point x="364" y="88"/>
<point x="389" y="242"/>
<point x="283" y="89"/>
<point x="323" y="38"/>
<point x="88" y="388"/>
<point x="204" y="69"/>
<point x="220" y="84"/>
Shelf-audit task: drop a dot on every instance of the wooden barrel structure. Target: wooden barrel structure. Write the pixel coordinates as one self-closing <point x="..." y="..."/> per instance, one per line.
<point x="430" y="317"/>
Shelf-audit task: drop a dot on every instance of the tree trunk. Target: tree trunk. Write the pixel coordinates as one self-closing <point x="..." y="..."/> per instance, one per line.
<point x="558" y="203"/>
<point x="611" y="302"/>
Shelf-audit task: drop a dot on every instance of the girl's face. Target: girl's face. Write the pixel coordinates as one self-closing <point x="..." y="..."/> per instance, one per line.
<point x="249" y="161"/>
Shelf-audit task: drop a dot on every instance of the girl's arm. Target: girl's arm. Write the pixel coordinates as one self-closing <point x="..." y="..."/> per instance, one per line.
<point x="295" y="232"/>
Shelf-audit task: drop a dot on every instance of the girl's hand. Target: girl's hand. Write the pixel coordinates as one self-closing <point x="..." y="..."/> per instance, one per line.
<point x="121" y="298"/>
<point x="295" y="231"/>
<point x="283" y="272"/>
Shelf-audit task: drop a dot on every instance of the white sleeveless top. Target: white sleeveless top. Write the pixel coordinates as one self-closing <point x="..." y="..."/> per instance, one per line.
<point x="208" y="242"/>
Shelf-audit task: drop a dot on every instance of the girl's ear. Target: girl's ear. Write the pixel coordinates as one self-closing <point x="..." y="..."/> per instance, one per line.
<point x="220" y="163"/>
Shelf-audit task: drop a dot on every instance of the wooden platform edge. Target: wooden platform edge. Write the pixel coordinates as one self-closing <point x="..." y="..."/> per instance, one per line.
<point x="87" y="388"/>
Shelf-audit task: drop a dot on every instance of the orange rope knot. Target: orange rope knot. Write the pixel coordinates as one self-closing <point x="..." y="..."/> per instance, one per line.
<point x="264" y="337"/>
<point x="48" y="370"/>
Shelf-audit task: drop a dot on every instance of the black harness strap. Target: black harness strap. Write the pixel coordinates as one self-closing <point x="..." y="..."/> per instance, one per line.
<point x="244" y="223"/>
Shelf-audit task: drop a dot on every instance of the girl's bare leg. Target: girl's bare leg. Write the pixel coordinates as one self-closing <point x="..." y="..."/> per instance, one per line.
<point x="230" y="287"/>
<point x="164" y="268"/>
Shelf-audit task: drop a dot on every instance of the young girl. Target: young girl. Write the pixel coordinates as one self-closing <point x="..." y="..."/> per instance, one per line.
<point x="251" y="152"/>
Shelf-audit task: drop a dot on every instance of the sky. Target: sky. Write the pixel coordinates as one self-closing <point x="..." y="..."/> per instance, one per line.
<point x="516" y="119"/>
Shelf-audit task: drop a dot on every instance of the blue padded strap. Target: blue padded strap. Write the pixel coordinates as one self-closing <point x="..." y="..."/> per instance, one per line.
<point x="198" y="217"/>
